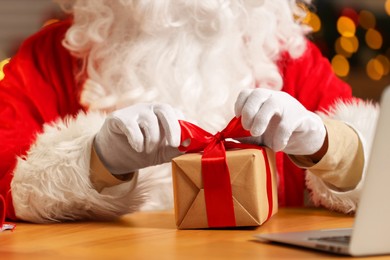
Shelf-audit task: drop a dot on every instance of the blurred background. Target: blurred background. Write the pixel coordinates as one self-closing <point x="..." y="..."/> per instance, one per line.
<point x="353" y="34"/>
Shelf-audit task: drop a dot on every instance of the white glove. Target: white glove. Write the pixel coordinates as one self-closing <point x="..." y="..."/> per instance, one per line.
<point x="138" y="136"/>
<point x="277" y="120"/>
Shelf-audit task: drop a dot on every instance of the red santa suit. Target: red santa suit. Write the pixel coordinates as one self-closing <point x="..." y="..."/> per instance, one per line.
<point x="47" y="135"/>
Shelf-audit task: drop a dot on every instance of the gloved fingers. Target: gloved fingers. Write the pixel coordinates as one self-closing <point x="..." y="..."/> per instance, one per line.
<point x="240" y="102"/>
<point x="130" y="129"/>
<point x="248" y="105"/>
<point x="308" y="137"/>
<point x="169" y="122"/>
<point x="167" y="153"/>
<point x="150" y="125"/>
<point x="251" y="140"/>
<point x="269" y="111"/>
<point x="281" y="134"/>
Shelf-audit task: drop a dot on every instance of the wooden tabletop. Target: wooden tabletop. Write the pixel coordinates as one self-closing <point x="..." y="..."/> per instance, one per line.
<point x="153" y="235"/>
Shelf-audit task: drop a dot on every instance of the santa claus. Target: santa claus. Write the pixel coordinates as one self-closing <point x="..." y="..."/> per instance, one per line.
<point x="90" y="105"/>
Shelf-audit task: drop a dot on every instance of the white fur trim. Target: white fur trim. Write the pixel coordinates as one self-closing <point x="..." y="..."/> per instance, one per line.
<point x="52" y="182"/>
<point x="362" y="117"/>
<point x="159" y="178"/>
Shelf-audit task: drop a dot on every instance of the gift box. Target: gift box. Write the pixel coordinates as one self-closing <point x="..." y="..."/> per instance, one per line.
<point x="244" y="193"/>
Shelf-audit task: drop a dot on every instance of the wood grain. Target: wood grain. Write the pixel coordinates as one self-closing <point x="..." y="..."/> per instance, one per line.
<point x="153" y="235"/>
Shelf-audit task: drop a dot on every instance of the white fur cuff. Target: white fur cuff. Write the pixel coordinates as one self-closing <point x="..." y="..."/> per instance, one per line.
<point x="52" y="182"/>
<point x="360" y="116"/>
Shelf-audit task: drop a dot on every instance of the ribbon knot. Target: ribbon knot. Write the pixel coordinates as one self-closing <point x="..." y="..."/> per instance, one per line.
<point x="215" y="172"/>
<point x="219" y="137"/>
<point x="200" y="139"/>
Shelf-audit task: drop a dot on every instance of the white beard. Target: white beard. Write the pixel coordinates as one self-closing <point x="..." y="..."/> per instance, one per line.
<point x="193" y="55"/>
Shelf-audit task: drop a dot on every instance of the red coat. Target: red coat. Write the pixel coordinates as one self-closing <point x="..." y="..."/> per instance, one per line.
<point x="39" y="87"/>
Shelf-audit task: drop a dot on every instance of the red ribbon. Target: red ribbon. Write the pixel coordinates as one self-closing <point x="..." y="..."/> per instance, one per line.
<point x="215" y="172"/>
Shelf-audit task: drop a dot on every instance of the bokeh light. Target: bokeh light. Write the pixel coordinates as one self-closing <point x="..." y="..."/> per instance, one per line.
<point x="385" y="63"/>
<point x="375" y="69"/>
<point x="387" y="7"/>
<point x="340" y="49"/>
<point x="346" y="27"/>
<point x="313" y="21"/>
<point x="373" y="39"/>
<point x="352" y="14"/>
<point x="349" y="44"/>
<point x="367" y="19"/>
<point x="340" y="65"/>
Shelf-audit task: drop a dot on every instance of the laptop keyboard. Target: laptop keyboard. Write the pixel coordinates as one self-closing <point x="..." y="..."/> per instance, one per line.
<point x="337" y="239"/>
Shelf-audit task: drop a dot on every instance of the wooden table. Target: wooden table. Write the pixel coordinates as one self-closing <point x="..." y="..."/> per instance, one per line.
<point x="153" y="235"/>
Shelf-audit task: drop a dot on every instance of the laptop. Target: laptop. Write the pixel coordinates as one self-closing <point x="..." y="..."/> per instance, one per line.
<point x="370" y="234"/>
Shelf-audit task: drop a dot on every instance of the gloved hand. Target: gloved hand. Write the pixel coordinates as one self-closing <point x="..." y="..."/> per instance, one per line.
<point x="138" y="136"/>
<point x="277" y="120"/>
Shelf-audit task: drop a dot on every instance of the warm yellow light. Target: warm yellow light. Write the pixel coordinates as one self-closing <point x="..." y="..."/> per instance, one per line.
<point x="385" y="63"/>
<point x="346" y="27"/>
<point x="313" y="21"/>
<point x="387" y="7"/>
<point x="340" y="65"/>
<point x="2" y="64"/>
<point x="375" y="69"/>
<point x="355" y="43"/>
<point x="340" y="49"/>
<point x="373" y="39"/>
<point x="367" y="19"/>
<point x="349" y="44"/>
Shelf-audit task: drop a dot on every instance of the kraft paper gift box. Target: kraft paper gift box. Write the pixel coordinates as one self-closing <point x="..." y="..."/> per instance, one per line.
<point x="254" y="199"/>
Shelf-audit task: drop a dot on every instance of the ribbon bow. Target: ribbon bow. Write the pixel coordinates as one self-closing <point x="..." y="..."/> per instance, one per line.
<point x="215" y="172"/>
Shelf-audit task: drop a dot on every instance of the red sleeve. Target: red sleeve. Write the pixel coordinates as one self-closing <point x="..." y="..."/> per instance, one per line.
<point x="311" y="80"/>
<point x="38" y="87"/>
